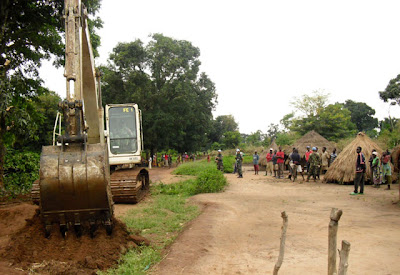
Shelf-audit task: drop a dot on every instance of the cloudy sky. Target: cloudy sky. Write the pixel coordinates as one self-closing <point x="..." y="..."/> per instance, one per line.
<point x="263" y="54"/>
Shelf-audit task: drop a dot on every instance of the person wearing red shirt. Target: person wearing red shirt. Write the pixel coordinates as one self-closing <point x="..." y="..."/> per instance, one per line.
<point x="307" y="156"/>
<point x="270" y="164"/>
<point x="280" y="155"/>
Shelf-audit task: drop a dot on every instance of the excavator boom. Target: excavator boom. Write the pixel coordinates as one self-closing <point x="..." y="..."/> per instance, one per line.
<point x="74" y="184"/>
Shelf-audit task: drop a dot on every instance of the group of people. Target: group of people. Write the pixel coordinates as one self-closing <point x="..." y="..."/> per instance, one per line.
<point x="238" y="162"/>
<point x="315" y="163"/>
<point x="381" y="171"/>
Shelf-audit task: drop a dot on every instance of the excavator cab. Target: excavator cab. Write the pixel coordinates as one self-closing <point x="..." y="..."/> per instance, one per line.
<point x="129" y="181"/>
<point x="123" y="133"/>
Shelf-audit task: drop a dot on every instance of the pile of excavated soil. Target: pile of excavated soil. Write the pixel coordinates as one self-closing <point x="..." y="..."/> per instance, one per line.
<point x="28" y="249"/>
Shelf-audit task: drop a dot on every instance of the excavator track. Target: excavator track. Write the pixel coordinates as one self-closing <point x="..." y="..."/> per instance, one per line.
<point x="129" y="185"/>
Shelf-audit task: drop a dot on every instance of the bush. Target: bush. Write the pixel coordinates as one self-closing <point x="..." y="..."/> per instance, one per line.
<point x="21" y="169"/>
<point x="210" y="181"/>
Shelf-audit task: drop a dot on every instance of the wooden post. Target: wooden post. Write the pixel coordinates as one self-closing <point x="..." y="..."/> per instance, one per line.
<point x="282" y="246"/>
<point x="332" y="242"/>
<point x="344" y="257"/>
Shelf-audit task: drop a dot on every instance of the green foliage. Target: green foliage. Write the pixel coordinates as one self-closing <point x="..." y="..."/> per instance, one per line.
<point x="31" y="31"/>
<point x="231" y="139"/>
<point x="390" y="135"/>
<point x="221" y="125"/>
<point x="361" y="115"/>
<point x="210" y="181"/>
<point x="392" y="92"/>
<point x="136" y="261"/>
<point x="286" y="138"/>
<point x="21" y="169"/>
<point x="332" y="121"/>
<point x="255" y="139"/>
<point x="163" y="78"/>
<point x="310" y="106"/>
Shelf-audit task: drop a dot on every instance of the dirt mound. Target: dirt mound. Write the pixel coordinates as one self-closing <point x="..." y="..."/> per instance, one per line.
<point x="30" y="250"/>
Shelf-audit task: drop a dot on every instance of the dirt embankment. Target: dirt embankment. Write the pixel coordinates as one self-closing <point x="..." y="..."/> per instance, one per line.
<point x="24" y="248"/>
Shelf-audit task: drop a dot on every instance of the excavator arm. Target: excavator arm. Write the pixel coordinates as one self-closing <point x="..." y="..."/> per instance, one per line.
<point x="74" y="184"/>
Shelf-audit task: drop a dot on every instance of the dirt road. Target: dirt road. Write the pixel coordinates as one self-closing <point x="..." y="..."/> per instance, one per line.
<point x="239" y="229"/>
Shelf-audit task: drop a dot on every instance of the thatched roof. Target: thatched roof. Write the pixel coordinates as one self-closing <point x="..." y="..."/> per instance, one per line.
<point x="343" y="168"/>
<point x="263" y="155"/>
<point x="312" y="139"/>
<point x="395" y="158"/>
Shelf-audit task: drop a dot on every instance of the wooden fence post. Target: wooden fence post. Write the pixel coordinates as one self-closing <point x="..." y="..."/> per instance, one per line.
<point x="282" y="246"/>
<point x="332" y="240"/>
<point x="344" y="257"/>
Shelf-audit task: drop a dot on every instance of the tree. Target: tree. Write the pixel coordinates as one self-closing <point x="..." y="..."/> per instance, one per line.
<point x="255" y="138"/>
<point x="30" y="31"/>
<point x="222" y="124"/>
<point x="392" y="92"/>
<point x="231" y="139"/>
<point x="333" y="122"/>
<point x="310" y="106"/>
<point x="361" y="115"/>
<point x="163" y="78"/>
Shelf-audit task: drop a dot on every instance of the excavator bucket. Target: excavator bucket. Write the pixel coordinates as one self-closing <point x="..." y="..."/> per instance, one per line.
<point x="75" y="187"/>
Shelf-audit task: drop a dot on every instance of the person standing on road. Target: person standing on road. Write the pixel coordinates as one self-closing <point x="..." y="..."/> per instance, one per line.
<point x="220" y="165"/>
<point x="307" y="157"/>
<point x="239" y="160"/>
<point x="295" y="164"/>
<point x="371" y="159"/>
<point x="150" y="160"/>
<point x="386" y="169"/>
<point x="314" y="161"/>
<point x="270" y="164"/>
<point x="324" y="161"/>
<point x="274" y="162"/>
<point x="360" y="170"/>
<point x="169" y="161"/>
<point x="376" y="170"/>
<point x="280" y="160"/>
<point x="256" y="158"/>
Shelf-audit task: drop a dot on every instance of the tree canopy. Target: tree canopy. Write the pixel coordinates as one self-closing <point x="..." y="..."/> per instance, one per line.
<point x="362" y="115"/>
<point x="30" y="31"/>
<point x="164" y="79"/>
<point x="392" y="91"/>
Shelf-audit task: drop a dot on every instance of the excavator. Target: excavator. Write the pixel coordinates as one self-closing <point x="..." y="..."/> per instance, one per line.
<point x="75" y="188"/>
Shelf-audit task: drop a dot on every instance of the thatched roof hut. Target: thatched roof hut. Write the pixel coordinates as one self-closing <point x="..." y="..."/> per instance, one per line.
<point x="396" y="158"/>
<point x="311" y="139"/>
<point x="263" y="155"/>
<point x="343" y="168"/>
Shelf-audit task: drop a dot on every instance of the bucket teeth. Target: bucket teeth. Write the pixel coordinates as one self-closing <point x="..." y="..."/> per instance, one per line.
<point x="92" y="229"/>
<point x="63" y="229"/>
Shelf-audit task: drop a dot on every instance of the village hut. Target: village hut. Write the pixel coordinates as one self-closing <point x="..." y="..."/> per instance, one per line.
<point x="396" y="158"/>
<point x="342" y="169"/>
<point x="263" y="155"/>
<point x="312" y="139"/>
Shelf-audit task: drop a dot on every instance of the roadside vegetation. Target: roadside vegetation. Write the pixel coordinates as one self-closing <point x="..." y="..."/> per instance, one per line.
<point x="162" y="217"/>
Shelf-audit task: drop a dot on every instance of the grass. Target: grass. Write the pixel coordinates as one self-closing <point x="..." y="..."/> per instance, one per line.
<point x="229" y="162"/>
<point x="165" y="215"/>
